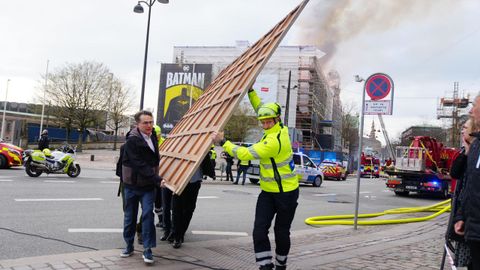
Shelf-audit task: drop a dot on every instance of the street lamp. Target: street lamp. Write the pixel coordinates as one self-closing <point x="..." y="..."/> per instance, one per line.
<point x="287" y="103"/>
<point x="139" y="9"/>
<point x="4" y="111"/>
<point x="43" y="103"/>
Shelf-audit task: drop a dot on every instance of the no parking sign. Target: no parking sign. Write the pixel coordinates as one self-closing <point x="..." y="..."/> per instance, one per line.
<point x="379" y="87"/>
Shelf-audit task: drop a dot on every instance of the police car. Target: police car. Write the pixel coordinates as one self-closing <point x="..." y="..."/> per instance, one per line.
<point x="306" y="170"/>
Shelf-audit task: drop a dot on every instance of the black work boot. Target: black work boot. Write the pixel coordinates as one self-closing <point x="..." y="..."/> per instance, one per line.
<point x="267" y="267"/>
<point x="280" y="267"/>
<point x="165" y="236"/>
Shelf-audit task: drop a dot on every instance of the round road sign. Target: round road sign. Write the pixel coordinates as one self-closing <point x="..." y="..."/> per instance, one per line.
<point x="378" y="86"/>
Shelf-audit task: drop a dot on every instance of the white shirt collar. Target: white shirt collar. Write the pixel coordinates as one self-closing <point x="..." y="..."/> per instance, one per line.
<point x="148" y="139"/>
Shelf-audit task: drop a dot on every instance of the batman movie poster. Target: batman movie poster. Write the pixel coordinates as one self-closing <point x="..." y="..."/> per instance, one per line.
<point x="180" y="86"/>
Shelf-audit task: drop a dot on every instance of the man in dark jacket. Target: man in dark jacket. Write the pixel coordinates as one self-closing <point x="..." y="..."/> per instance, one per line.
<point x="44" y="141"/>
<point x="140" y="175"/>
<point x="468" y="214"/>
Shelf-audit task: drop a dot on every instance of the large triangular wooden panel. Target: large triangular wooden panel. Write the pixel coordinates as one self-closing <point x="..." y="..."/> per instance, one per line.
<point x="189" y="141"/>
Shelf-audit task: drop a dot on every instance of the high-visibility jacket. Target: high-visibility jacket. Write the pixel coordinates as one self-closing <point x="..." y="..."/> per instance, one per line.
<point x="244" y="162"/>
<point x="160" y="140"/>
<point x="275" y="153"/>
<point x="213" y="155"/>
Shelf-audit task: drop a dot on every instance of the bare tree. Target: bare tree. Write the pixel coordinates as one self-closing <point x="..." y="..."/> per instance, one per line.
<point x="350" y="126"/>
<point x="118" y="102"/>
<point x="78" y="93"/>
<point x="241" y="121"/>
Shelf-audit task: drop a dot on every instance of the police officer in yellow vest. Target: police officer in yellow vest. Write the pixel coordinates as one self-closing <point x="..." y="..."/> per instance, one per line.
<point x="242" y="167"/>
<point x="278" y="182"/>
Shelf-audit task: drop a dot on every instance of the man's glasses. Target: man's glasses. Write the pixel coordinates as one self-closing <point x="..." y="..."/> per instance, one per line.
<point x="147" y="123"/>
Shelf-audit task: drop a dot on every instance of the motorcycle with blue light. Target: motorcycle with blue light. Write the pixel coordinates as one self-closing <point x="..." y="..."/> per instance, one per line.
<point x="60" y="161"/>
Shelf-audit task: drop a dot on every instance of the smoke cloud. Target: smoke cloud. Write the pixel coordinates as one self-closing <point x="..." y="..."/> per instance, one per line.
<point x="331" y="22"/>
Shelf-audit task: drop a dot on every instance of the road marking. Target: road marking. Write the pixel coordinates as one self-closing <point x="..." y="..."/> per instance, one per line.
<point x="6" y="180"/>
<point x="207" y="197"/>
<point x="59" y="200"/>
<point x="363" y="192"/>
<point x="109" y="182"/>
<point x="59" y="181"/>
<point x="95" y="230"/>
<point x="325" y="195"/>
<point x="220" y="233"/>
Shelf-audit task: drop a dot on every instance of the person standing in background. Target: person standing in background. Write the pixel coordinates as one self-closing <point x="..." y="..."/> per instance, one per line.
<point x="44" y="141"/>
<point x="228" y="169"/>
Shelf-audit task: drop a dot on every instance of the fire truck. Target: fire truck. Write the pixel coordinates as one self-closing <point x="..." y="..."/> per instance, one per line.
<point x="422" y="167"/>
<point x="10" y="155"/>
<point x="369" y="164"/>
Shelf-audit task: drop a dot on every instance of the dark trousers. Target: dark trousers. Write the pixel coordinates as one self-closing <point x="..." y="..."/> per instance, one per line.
<point x="158" y="197"/>
<point x="474" y="255"/>
<point x="269" y="204"/>
<point x="158" y="205"/>
<point x="242" y="169"/>
<point x="228" y="170"/>
<point x="167" y="208"/>
<point x="183" y="206"/>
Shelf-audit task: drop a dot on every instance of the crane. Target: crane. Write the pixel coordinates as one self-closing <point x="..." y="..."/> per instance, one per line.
<point x="387" y="140"/>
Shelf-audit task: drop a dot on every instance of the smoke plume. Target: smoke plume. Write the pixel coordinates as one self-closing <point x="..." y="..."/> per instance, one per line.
<point x="330" y="22"/>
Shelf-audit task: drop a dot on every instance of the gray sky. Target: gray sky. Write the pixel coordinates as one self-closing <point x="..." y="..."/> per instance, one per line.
<point x="424" y="45"/>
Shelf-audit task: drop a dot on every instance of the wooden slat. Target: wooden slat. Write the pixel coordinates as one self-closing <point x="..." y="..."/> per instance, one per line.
<point x="189" y="141"/>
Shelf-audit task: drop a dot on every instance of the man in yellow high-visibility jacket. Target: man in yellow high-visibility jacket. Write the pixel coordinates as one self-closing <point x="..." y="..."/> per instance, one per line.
<point x="278" y="182"/>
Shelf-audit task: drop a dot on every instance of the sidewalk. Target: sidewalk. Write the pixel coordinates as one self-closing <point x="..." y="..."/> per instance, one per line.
<point x="408" y="246"/>
<point x="105" y="159"/>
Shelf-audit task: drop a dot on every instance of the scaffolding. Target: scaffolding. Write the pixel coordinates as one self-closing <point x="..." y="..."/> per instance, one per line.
<point x="453" y="108"/>
<point x="312" y="92"/>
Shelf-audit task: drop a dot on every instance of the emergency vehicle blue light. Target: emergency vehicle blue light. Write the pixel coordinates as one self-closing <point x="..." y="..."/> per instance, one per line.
<point x="435" y="183"/>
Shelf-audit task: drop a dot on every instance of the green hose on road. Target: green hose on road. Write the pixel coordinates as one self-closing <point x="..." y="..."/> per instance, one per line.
<point x="438" y="208"/>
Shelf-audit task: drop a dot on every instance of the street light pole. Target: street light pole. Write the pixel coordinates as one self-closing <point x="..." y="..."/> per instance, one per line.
<point x="191" y="85"/>
<point x="43" y="103"/>
<point x="139" y="9"/>
<point x="287" y="103"/>
<point x="4" y="110"/>
<point x="288" y="98"/>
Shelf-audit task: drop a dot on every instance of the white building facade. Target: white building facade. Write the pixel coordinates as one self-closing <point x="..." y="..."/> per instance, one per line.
<point x="311" y="98"/>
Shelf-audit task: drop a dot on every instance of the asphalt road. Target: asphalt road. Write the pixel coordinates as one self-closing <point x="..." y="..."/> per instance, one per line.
<point x="51" y="214"/>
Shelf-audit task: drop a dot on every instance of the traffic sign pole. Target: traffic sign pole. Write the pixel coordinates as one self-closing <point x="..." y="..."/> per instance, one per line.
<point x="360" y="142"/>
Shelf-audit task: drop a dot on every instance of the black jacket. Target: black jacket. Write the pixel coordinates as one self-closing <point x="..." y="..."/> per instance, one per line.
<point x="118" y="170"/>
<point x="139" y="162"/>
<point x="207" y="167"/>
<point x="457" y="171"/>
<point x="469" y="209"/>
<point x="44" y="142"/>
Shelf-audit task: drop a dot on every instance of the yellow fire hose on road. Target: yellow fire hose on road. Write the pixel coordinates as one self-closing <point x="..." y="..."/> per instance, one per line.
<point x="438" y="208"/>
